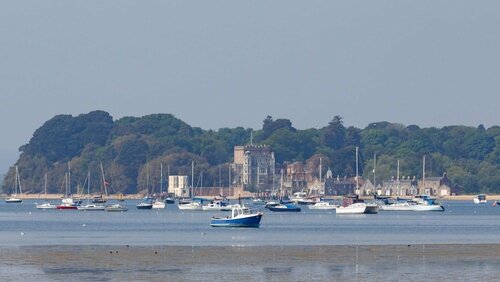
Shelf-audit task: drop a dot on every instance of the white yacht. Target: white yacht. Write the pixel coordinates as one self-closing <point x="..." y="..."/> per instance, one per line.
<point x="322" y="206"/>
<point x="158" y="204"/>
<point x="193" y="206"/>
<point x="480" y="199"/>
<point x="356" y="208"/>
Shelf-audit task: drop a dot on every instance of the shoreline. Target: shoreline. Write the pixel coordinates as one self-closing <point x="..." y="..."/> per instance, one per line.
<point x="140" y="196"/>
<point x="436" y="262"/>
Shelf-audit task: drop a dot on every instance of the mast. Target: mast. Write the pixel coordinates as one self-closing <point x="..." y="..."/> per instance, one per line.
<point x="320" y="164"/>
<point x="357" y="180"/>
<point x="423" y="174"/>
<point x="281" y="183"/>
<point x="69" y="179"/>
<point x="45" y="187"/>
<point x="88" y="187"/>
<point x="104" y="181"/>
<point x="374" y="168"/>
<point x="397" y="179"/>
<point x="229" y="173"/>
<point x="161" y="178"/>
<point x="147" y="179"/>
<point x="192" y="179"/>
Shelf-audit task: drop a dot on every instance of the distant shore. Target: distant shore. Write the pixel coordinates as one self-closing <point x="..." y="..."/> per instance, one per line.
<point x="140" y="196"/>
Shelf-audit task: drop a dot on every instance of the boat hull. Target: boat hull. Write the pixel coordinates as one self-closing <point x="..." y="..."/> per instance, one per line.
<point x="359" y="209"/>
<point x="371" y="209"/>
<point x="428" y="208"/>
<point x="247" y="221"/>
<point x="91" y="208"/>
<point x="116" y="208"/>
<point x="190" y="207"/>
<point x="46" y="206"/>
<point x="144" y="207"/>
<point x="66" y="207"/>
<point x="281" y="209"/>
<point x="13" y="201"/>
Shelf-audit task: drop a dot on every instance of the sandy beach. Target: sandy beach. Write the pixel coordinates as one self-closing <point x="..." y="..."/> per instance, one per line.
<point x="297" y="263"/>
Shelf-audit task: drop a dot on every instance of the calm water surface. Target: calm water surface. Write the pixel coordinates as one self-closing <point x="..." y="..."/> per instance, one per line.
<point x="461" y="222"/>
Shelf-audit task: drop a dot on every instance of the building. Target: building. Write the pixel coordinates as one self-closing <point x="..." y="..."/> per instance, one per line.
<point x="253" y="167"/>
<point x="435" y="186"/>
<point x="178" y="186"/>
<point x="402" y="187"/>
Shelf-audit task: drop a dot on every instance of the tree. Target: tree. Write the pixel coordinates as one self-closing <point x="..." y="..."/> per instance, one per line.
<point x="334" y="134"/>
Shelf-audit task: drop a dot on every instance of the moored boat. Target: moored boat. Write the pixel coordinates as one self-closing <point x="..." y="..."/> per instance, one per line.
<point x="322" y="206"/>
<point x="144" y="206"/>
<point x="285" y="208"/>
<point x="13" y="198"/>
<point x="116" y="208"/>
<point x="158" y="204"/>
<point x="240" y="217"/>
<point x="46" y="206"/>
<point x="480" y="199"/>
<point x="357" y="208"/>
<point x="91" y="207"/>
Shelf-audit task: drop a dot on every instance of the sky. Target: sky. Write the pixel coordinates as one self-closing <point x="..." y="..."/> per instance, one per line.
<point x="216" y="64"/>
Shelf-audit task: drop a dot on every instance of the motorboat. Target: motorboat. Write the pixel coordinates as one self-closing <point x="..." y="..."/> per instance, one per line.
<point x="240" y="217"/>
<point x="285" y="208"/>
<point x="398" y="206"/>
<point x="480" y="199"/>
<point x="144" y="206"/>
<point x="116" y="208"/>
<point x="170" y="200"/>
<point x="258" y="201"/>
<point x="46" y="206"/>
<point x="91" y="207"/>
<point x="213" y="206"/>
<point x="322" y="206"/>
<point x="158" y="204"/>
<point x="192" y="206"/>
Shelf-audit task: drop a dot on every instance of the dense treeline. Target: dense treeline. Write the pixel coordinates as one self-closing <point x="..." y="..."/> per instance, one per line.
<point x="131" y="146"/>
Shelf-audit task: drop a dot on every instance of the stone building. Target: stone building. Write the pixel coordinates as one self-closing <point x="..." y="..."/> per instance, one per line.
<point x="339" y="186"/>
<point x="178" y="186"/>
<point x="253" y="167"/>
<point x="435" y="186"/>
<point x="403" y="187"/>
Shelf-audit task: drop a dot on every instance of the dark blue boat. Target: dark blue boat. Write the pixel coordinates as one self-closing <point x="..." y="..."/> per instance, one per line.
<point x="240" y="217"/>
<point x="285" y="208"/>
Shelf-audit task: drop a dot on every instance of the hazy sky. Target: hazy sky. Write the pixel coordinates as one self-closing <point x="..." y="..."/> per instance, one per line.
<point x="230" y="63"/>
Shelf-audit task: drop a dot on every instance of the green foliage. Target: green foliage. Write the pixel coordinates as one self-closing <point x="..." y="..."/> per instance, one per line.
<point x="470" y="156"/>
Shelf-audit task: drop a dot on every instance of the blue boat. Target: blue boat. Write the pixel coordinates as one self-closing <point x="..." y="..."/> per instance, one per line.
<point x="285" y="208"/>
<point x="240" y="217"/>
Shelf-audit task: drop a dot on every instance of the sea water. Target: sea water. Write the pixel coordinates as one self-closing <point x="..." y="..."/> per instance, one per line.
<point x="173" y="245"/>
<point x="462" y="222"/>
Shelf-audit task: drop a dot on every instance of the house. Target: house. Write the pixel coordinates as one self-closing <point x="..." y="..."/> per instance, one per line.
<point x="435" y="186"/>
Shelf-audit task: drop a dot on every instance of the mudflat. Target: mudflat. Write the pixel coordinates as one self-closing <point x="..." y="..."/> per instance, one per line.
<point x="469" y="262"/>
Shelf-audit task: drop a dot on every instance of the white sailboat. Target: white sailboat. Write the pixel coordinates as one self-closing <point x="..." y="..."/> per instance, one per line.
<point x="191" y="205"/>
<point x="89" y="206"/>
<point x="158" y="202"/>
<point x="357" y="207"/>
<point x="45" y="205"/>
<point x="17" y="184"/>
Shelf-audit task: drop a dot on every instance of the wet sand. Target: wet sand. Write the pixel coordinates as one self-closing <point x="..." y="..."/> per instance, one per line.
<point x="297" y="263"/>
